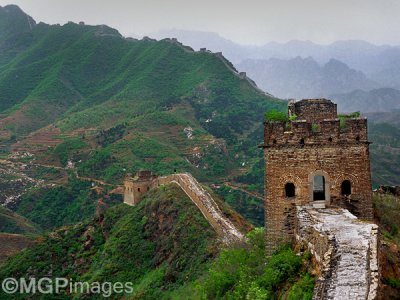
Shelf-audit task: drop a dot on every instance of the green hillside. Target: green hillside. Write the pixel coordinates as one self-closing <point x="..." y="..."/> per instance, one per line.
<point x="160" y="245"/>
<point x="86" y="98"/>
<point x="127" y="103"/>
<point x="16" y="233"/>
<point x="385" y="153"/>
<point x="167" y="249"/>
<point x="110" y="106"/>
<point x="11" y="222"/>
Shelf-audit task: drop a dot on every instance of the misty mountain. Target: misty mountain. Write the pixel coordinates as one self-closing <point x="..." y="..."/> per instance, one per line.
<point x="388" y="71"/>
<point x="356" y="54"/>
<point x="210" y="40"/>
<point x="304" y="77"/>
<point x="379" y="63"/>
<point x="299" y="69"/>
<point x="377" y="100"/>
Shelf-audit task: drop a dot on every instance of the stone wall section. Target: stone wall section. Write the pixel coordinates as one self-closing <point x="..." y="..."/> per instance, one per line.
<point x="346" y="250"/>
<point x="203" y="200"/>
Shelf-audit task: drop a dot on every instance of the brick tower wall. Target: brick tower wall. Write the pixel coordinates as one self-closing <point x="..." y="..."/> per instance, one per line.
<point x="296" y="152"/>
<point x="135" y="188"/>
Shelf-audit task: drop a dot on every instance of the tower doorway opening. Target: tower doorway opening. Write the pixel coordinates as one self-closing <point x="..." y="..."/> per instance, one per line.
<point x="345" y="188"/>
<point x="319" y="192"/>
<point x="290" y="190"/>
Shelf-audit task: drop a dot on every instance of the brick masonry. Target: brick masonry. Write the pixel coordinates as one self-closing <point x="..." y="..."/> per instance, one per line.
<point x="313" y="144"/>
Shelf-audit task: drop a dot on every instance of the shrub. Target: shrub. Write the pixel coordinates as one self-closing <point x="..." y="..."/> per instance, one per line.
<point x="244" y="272"/>
<point x="302" y="289"/>
<point x="344" y="117"/>
<point x="314" y="127"/>
<point x="276" y="115"/>
<point x="386" y="210"/>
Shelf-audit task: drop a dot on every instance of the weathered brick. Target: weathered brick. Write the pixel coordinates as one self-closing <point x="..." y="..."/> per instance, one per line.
<point x="314" y="144"/>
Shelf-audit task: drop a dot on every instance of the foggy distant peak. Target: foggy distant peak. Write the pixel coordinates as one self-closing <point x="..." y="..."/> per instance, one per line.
<point x="14" y="21"/>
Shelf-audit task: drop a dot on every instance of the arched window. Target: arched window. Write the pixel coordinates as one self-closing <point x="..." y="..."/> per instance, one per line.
<point x="138" y="189"/>
<point x="319" y="188"/>
<point x="290" y="190"/>
<point x="345" y="188"/>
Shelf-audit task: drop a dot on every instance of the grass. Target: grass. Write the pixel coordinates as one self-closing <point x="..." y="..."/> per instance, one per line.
<point x="386" y="211"/>
<point x="344" y="117"/>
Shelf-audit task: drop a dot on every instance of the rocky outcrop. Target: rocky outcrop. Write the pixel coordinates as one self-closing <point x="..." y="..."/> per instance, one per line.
<point x="346" y="250"/>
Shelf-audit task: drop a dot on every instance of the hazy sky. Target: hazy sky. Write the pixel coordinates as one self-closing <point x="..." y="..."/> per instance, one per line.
<point x="244" y="21"/>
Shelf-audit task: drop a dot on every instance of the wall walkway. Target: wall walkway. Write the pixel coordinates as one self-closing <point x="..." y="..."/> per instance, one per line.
<point x="346" y="249"/>
<point x="207" y="205"/>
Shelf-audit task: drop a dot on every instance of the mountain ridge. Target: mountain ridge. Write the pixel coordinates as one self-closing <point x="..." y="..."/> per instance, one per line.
<point x="305" y="77"/>
<point x="81" y="101"/>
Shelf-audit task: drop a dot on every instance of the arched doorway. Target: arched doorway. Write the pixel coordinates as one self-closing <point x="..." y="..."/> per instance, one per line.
<point x="290" y="190"/>
<point x="345" y="188"/>
<point x="318" y="188"/>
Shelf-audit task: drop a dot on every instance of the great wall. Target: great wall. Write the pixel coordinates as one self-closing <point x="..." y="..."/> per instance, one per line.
<point x="346" y="250"/>
<point x="136" y="187"/>
<point x="313" y="202"/>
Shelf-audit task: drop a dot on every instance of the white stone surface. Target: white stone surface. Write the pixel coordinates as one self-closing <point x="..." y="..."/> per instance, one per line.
<point x="354" y="274"/>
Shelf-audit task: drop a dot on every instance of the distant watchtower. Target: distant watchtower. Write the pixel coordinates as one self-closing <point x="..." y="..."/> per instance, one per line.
<point x="135" y="187"/>
<point x="315" y="158"/>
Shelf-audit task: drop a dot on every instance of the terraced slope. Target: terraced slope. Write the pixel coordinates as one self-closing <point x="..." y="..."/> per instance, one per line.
<point x="13" y="223"/>
<point x="111" y="105"/>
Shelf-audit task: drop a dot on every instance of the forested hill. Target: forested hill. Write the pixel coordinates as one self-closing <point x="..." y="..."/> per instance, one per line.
<point x="80" y="99"/>
<point x="78" y="77"/>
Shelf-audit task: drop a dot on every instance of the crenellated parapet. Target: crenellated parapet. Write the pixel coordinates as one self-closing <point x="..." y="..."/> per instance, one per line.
<point x="327" y="131"/>
<point x="313" y="110"/>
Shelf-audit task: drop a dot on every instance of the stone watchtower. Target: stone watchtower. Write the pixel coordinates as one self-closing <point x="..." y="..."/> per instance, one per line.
<point x="315" y="159"/>
<point x="135" y="187"/>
